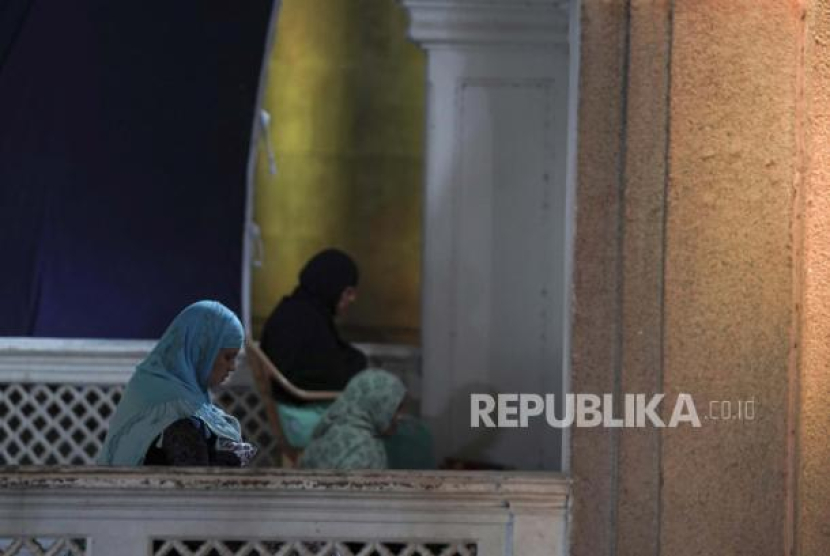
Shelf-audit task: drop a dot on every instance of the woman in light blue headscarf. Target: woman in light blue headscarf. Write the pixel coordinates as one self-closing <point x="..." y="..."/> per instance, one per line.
<point x="166" y="416"/>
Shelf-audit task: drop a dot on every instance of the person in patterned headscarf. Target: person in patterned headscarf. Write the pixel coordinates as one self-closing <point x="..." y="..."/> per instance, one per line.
<point x="166" y="416"/>
<point x="350" y="434"/>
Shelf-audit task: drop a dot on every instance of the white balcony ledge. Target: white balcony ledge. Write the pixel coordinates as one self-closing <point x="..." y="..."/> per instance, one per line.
<point x="122" y="512"/>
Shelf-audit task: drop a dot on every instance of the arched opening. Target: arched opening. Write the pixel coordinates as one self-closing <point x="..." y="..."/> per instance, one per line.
<point x="488" y="300"/>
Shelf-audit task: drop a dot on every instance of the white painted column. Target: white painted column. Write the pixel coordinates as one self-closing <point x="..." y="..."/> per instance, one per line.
<point x="495" y="214"/>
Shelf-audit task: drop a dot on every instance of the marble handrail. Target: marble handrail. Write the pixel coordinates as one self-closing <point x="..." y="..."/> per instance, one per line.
<point x="127" y="512"/>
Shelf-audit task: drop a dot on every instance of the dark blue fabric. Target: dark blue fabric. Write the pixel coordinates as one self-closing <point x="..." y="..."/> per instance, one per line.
<point x="124" y="136"/>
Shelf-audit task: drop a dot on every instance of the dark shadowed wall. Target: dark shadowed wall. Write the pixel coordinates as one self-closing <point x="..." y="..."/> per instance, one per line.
<point x="124" y="134"/>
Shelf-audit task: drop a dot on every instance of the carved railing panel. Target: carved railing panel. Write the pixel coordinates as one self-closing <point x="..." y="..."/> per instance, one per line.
<point x="215" y="547"/>
<point x="57" y="396"/>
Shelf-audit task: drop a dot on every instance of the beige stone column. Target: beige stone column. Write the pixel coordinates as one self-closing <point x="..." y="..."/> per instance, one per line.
<point x="811" y="447"/>
<point x="643" y="259"/>
<point x="595" y="319"/>
<point x="702" y="267"/>
<point x="617" y="322"/>
<point x="729" y="284"/>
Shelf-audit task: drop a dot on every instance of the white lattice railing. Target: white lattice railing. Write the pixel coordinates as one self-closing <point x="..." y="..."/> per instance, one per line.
<point x="56" y="396"/>
<point x="212" y="512"/>
<point x="310" y="548"/>
<point x="44" y="546"/>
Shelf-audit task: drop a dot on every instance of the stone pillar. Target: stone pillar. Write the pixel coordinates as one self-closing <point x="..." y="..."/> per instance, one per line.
<point x="811" y="395"/>
<point x="597" y="279"/>
<point x="730" y="269"/>
<point x="494" y="228"/>
<point x="701" y="267"/>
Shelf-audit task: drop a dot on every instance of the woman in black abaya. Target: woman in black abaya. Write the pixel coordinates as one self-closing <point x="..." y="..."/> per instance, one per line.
<point x="301" y="338"/>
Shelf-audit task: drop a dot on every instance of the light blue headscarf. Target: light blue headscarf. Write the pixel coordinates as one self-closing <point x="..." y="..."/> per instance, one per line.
<point x="172" y="384"/>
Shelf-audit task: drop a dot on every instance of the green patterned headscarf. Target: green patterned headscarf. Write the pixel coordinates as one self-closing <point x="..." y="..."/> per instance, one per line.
<point x="172" y="384"/>
<point x="347" y="435"/>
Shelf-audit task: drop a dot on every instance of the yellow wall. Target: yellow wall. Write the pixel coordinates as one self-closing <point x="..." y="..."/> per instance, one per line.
<point x="346" y="96"/>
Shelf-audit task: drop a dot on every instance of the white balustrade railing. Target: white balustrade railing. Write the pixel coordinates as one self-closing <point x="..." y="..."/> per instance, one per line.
<point x="56" y="396"/>
<point x="140" y="512"/>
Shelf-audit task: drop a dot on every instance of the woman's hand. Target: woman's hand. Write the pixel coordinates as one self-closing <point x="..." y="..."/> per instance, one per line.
<point x="244" y="451"/>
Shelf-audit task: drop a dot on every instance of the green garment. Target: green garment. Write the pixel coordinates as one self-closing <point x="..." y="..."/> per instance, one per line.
<point x="347" y="436"/>
<point x="409" y="447"/>
<point x="299" y="421"/>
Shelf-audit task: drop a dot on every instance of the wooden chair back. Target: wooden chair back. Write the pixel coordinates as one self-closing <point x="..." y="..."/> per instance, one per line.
<point x="264" y="373"/>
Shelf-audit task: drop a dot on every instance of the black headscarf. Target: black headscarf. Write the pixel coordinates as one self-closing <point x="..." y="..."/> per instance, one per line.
<point x="327" y="274"/>
<point x="300" y="336"/>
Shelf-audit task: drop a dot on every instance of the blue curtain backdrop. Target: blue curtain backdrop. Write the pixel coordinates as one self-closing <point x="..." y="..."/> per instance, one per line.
<point x="124" y="136"/>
